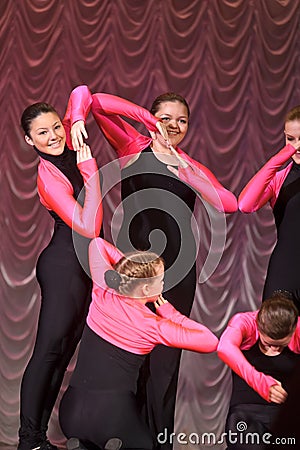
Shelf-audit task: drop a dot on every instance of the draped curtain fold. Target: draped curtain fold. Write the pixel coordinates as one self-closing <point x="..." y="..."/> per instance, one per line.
<point x="237" y="64"/>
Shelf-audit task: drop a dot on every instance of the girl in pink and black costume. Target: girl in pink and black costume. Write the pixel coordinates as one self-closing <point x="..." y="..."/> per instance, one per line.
<point x="69" y="187"/>
<point x="159" y="187"/>
<point x="121" y="330"/>
<point x="262" y="349"/>
<point x="281" y="187"/>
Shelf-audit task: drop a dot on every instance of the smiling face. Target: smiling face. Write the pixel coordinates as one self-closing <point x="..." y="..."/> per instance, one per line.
<point x="47" y="134"/>
<point x="292" y="136"/>
<point x="174" y="115"/>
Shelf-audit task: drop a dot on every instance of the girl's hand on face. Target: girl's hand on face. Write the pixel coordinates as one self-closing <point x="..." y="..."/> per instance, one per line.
<point x="163" y="131"/>
<point x="84" y="153"/>
<point x="78" y="132"/>
<point x="277" y="394"/>
<point x="159" y="301"/>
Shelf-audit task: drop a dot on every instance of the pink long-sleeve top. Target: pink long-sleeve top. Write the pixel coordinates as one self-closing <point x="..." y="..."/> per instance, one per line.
<point x="241" y="334"/>
<point x="127" y="141"/>
<point x="266" y="184"/>
<point x="129" y="324"/>
<point x="57" y="194"/>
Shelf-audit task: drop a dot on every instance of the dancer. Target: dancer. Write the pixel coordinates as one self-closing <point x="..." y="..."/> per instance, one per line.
<point x="262" y="348"/>
<point x="121" y="330"/>
<point x="159" y="185"/>
<point x="65" y="286"/>
<point x="281" y="187"/>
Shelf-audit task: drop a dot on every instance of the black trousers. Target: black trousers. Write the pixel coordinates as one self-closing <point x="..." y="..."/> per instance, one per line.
<point x="157" y="384"/>
<point x="100" y="402"/>
<point x="65" y="298"/>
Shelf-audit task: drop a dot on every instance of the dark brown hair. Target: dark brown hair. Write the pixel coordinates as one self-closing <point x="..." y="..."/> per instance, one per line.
<point x="277" y="317"/>
<point x="32" y="112"/>
<point x="168" y="97"/>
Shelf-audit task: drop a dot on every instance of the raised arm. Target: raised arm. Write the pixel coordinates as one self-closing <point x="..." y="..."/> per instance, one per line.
<point x="259" y="189"/>
<point x="79" y="105"/>
<point x="56" y="194"/>
<point x="176" y="330"/>
<point x="237" y="332"/>
<point x="122" y="136"/>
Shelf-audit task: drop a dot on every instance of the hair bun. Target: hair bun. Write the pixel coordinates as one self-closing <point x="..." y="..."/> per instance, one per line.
<point x="112" y="279"/>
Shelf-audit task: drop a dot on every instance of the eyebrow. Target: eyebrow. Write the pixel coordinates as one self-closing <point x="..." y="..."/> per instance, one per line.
<point x="46" y="128"/>
<point x="179" y="117"/>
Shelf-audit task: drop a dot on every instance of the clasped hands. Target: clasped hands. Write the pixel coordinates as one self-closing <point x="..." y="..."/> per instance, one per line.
<point x="78" y="132"/>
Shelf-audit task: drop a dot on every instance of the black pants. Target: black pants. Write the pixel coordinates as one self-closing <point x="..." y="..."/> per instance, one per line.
<point x="100" y="402"/>
<point x="157" y="386"/>
<point x="65" y="290"/>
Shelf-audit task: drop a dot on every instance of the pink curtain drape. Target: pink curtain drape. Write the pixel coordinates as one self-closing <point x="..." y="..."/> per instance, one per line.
<point x="237" y="64"/>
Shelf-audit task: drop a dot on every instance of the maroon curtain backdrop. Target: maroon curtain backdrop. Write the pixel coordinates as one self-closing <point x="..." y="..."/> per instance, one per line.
<point x="237" y="63"/>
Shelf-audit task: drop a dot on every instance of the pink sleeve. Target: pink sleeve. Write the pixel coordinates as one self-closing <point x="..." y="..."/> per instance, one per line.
<point x="229" y="351"/>
<point x="56" y="194"/>
<point x="294" y="344"/>
<point x="78" y="108"/>
<point x="259" y="189"/>
<point x="204" y="182"/>
<point x="122" y="136"/>
<point x="102" y="257"/>
<point x="176" y="330"/>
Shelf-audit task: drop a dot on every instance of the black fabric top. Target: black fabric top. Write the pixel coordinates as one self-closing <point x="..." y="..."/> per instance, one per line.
<point x="288" y="199"/>
<point x="279" y="367"/>
<point x="158" y="209"/>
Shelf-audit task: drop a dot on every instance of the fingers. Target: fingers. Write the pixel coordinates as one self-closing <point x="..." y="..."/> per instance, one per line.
<point x="84" y="153"/>
<point x="159" y="301"/>
<point x="277" y="394"/>
<point x="153" y="135"/>
<point x="163" y="131"/>
<point x="78" y="132"/>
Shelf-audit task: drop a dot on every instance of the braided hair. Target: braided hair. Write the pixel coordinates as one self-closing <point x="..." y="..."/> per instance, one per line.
<point x="132" y="269"/>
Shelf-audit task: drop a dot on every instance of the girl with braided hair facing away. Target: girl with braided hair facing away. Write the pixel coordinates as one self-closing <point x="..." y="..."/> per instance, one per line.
<point x="69" y="187"/>
<point x="278" y="182"/>
<point x="100" y="402"/>
<point x="159" y="187"/>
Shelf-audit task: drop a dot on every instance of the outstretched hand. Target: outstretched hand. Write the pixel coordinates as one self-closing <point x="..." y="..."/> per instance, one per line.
<point x="78" y="132"/>
<point x="83" y="154"/>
